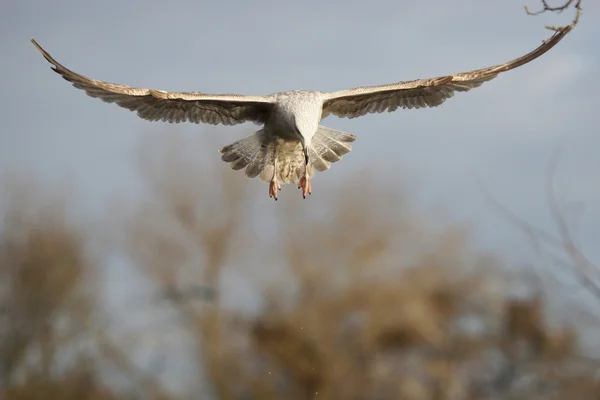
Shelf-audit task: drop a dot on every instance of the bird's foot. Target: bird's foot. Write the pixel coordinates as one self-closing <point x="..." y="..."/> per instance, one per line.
<point x="274" y="187"/>
<point x="305" y="185"/>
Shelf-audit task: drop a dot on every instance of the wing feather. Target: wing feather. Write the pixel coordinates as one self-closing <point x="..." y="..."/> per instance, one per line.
<point x="420" y="93"/>
<point x="159" y="105"/>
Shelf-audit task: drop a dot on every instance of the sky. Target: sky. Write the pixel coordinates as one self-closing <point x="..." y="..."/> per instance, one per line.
<point x="505" y="132"/>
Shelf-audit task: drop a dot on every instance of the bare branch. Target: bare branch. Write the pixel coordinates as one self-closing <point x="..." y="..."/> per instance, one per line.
<point x="581" y="263"/>
<point x="559" y="9"/>
<point x="582" y="268"/>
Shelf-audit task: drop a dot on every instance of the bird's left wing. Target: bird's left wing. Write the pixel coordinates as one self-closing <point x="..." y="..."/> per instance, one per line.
<point x="159" y="105"/>
<point x="421" y="93"/>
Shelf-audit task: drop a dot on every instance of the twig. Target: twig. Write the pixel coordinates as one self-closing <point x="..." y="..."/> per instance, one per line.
<point x="581" y="263"/>
<point x="558" y="9"/>
<point x="581" y="266"/>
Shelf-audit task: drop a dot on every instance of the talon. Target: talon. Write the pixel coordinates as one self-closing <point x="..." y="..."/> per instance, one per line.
<point x="305" y="185"/>
<point x="274" y="187"/>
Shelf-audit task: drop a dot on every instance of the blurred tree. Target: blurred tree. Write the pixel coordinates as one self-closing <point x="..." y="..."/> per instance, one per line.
<point x="365" y="304"/>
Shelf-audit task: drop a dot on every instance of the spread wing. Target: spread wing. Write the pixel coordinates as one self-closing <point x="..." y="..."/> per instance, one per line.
<point x="421" y="93"/>
<point x="158" y="105"/>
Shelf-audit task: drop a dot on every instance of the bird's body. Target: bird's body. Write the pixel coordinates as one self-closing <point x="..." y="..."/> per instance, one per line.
<point x="295" y="112"/>
<point x="283" y="151"/>
<point x="291" y="144"/>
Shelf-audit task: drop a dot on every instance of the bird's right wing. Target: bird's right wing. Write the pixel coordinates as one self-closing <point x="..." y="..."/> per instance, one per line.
<point x="432" y="92"/>
<point x="159" y="105"/>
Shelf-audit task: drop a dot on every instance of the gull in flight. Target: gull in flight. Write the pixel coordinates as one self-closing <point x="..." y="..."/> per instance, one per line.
<point x="291" y="144"/>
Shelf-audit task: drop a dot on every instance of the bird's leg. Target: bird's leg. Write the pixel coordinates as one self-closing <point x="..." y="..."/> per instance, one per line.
<point x="274" y="186"/>
<point x="304" y="181"/>
<point x="305" y="185"/>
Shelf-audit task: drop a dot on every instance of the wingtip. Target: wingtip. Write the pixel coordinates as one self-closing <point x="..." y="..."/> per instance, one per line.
<point x="44" y="52"/>
<point x="37" y="45"/>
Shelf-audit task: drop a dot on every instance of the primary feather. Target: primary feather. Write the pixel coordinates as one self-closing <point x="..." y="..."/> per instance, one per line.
<point x="290" y="119"/>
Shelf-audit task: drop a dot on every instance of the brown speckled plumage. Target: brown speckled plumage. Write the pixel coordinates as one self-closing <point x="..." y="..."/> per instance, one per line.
<point x="290" y="119"/>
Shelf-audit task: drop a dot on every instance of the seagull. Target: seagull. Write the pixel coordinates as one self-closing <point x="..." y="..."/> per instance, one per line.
<point x="291" y="144"/>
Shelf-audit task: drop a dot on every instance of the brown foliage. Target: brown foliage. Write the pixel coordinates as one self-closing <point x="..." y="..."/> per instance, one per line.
<point x="43" y="310"/>
<point x="394" y="308"/>
<point x="399" y="308"/>
<point x="366" y="300"/>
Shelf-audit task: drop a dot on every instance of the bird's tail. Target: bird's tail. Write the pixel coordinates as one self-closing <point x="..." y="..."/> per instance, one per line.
<point x="256" y="153"/>
<point x="329" y="146"/>
<point x="253" y="153"/>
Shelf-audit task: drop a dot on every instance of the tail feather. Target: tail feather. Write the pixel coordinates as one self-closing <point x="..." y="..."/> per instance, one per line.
<point x="256" y="154"/>
<point x="247" y="152"/>
<point x="318" y="161"/>
<point x="261" y="161"/>
<point x="329" y="146"/>
<point x="253" y="153"/>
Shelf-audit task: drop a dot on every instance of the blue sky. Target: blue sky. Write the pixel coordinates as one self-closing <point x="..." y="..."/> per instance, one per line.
<point x="506" y="131"/>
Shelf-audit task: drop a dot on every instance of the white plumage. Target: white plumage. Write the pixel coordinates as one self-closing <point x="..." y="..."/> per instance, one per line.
<point x="291" y="145"/>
